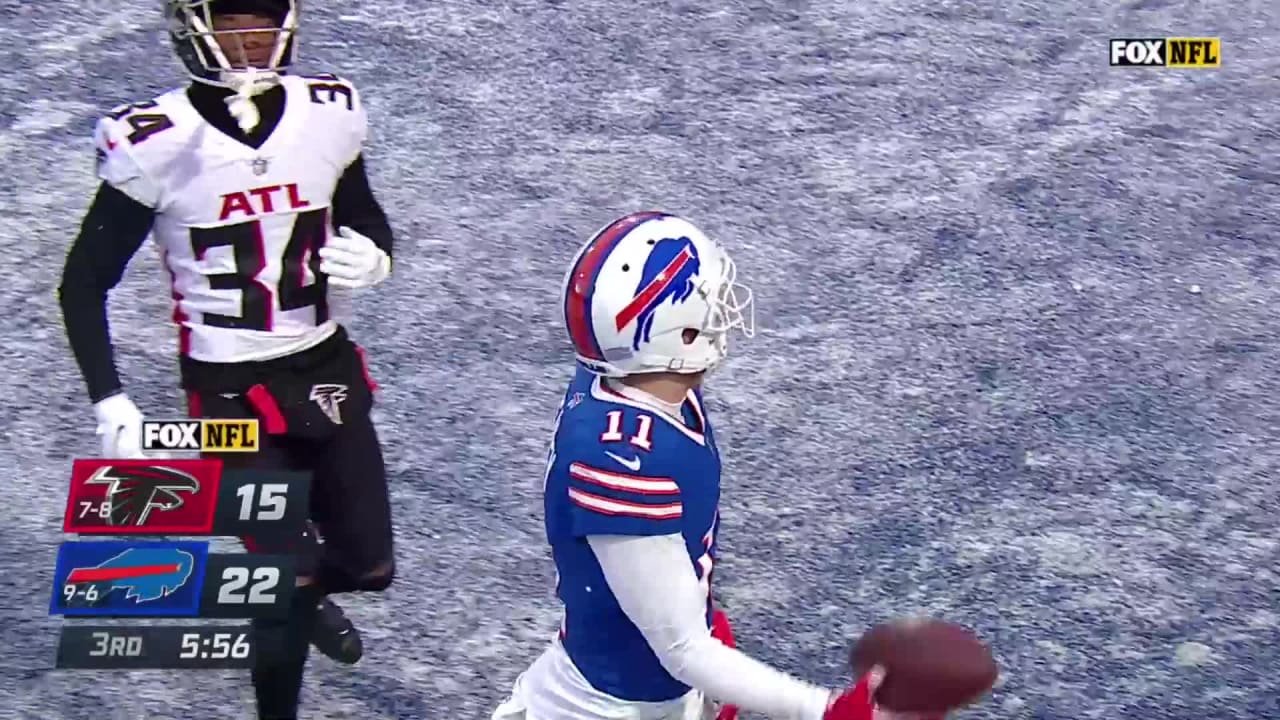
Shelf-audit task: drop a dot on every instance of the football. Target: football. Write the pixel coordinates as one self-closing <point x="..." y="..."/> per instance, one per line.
<point x="931" y="666"/>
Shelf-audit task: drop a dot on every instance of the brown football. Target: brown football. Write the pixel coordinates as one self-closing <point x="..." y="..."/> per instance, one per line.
<point x="931" y="666"/>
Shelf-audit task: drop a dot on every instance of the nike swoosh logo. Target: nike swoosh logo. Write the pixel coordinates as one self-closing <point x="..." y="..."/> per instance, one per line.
<point x="633" y="464"/>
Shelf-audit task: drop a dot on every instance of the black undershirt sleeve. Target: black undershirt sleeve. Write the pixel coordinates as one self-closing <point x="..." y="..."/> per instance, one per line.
<point x="355" y="207"/>
<point x="112" y="231"/>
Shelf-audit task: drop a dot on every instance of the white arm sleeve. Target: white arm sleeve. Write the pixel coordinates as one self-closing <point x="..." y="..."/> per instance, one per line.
<point x="657" y="588"/>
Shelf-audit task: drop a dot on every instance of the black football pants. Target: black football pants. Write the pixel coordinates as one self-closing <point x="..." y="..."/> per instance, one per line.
<point x="337" y="446"/>
<point x="349" y="502"/>
<point x="348" y="543"/>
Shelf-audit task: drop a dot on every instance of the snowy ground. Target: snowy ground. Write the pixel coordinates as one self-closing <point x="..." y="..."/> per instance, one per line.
<point x="1019" y="367"/>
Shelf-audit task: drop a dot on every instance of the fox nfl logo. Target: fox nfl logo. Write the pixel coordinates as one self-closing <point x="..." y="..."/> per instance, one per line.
<point x="1166" y="52"/>
<point x="201" y="435"/>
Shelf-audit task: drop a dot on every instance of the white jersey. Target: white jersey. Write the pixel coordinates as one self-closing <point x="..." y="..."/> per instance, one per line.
<point x="238" y="227"/>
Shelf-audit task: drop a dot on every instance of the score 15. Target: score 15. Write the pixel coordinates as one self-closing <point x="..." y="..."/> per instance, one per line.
<point x="266" y="502"/>
<point x="253" y="502"/>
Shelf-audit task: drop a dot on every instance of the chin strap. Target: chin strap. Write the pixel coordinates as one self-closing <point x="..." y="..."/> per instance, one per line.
<point x="247" y="84"/>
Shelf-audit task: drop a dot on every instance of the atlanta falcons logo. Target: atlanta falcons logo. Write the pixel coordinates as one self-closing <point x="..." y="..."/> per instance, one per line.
<point x="329" y="397"/>
<point x="133" y="492"/>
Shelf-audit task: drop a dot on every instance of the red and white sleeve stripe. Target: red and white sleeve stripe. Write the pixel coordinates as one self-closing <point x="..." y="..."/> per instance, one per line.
<point x="614" y="493"/>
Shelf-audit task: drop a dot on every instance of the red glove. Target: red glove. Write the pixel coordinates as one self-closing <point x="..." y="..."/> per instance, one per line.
<point x="856" y="703"/>
<point x="721" y="631"/>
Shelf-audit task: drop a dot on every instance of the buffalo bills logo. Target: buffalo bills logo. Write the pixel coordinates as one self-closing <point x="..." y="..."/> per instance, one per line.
<point x="668" y="275"/>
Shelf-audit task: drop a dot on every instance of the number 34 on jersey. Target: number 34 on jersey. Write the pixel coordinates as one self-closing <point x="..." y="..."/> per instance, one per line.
<point x="240" y="226"/>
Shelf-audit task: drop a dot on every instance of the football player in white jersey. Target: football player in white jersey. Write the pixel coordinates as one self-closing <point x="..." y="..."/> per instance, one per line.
<point x="631" y="498"/>
<point x="252" y="183"/>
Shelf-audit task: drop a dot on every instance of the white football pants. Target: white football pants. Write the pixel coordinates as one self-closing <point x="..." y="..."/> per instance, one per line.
<point x="553" y="689"/>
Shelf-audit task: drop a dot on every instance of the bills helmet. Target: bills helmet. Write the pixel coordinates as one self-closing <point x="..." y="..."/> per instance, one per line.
<point x="651" y="293"/>
<point x="196" y="41"/>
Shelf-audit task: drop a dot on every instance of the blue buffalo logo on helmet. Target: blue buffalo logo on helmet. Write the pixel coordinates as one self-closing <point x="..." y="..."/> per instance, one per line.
<point x="668" y="275"/>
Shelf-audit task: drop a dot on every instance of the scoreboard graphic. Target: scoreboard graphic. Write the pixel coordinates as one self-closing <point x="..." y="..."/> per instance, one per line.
<point x="119" y="579"/>
<point x="145" y="574"/>
<point x="182" y="497"/>
<point x="168" y="579"/>
<point x="155" y="647"/>
<point x="175" y="497"/>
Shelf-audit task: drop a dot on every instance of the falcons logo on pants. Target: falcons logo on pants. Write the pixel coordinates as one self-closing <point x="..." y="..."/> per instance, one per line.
<point x="133" y="492"/>
<point x="329" y="397"/>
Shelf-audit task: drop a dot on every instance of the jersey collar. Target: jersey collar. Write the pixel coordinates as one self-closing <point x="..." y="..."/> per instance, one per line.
<point x="624" y="395"/>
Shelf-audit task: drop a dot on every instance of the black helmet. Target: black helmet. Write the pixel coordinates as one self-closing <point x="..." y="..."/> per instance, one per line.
<point x="191" y="28"/>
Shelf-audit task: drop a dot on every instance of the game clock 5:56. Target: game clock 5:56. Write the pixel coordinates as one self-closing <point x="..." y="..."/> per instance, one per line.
<point x="155" y="647"/>
<point x="214" y="644"/>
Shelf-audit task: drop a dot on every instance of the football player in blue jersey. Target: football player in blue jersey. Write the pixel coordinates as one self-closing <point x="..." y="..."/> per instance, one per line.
<point x="632" y="496"/>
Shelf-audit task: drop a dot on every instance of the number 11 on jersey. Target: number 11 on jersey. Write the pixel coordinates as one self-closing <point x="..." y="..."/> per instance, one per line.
<point x="643" y="437"/>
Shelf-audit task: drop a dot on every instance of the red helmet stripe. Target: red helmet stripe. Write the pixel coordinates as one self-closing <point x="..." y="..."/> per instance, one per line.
<point x="582" y="282"/>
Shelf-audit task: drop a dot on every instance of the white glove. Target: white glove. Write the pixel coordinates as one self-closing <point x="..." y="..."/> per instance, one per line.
<point x="120" y="425"/>
<point x="352" y="260"/>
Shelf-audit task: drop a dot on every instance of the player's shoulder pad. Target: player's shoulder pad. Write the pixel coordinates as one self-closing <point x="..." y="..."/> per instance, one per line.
<point x="617" y="486"/>
<point x="126" y="136"/>
<point x="337" y="100"/>
<point x="624" y="438"/>
<point x="138" y="122"/>
<point x="139" y="129"/>
<point x="331" y="90"/>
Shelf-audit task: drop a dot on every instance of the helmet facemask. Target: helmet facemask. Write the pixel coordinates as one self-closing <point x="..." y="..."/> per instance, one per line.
<point x="729" y="307"/>
<point x="233" y="56"/>
<point x="732" y="307"/>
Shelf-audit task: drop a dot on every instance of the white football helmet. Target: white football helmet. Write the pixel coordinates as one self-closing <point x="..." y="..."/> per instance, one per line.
<point x="651" y="293"/>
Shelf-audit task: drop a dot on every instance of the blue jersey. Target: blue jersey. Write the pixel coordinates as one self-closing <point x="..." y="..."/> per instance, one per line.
<point x="622" y="467"/>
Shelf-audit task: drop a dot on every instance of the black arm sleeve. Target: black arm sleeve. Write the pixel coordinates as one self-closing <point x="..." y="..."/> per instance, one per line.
<point x="112" y="231"/>
<point x="355" y="206"/>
